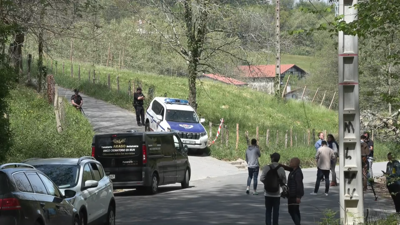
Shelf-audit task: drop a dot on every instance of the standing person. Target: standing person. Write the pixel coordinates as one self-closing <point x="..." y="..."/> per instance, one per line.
<point x="76" y="100"/>
<point x="138" y="98"/>
<point x="364" y="160"/>
<point x="370" y="144"/>
<point x="252" y="155"/>
<point x="274" y="177"/>
<point x="318" y="144"/>
<point x="323" y="157"/>
<point x="393" y="180"/>
<point x="296" y="189"/>
<point x="335" y="147"/>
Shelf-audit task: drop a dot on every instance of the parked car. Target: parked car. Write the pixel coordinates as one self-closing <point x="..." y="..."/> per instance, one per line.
<point x="143" y="160"/>
<point x="29" y="197"/>
<point x="176" y="115"/>
<point x="84" y="179"/>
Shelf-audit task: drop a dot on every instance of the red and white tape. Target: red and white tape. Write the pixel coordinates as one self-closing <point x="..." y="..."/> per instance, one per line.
<point x="219" y="130"/>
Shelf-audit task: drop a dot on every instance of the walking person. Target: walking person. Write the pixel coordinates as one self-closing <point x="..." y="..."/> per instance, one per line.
<point x="274" y="178"/>
<point x="370" y="144"/>
<point x="323" y="157"/>
<point x="318" y="144"/>
<point x="138" y="98"/>
<point x="252" y="155"/>
<point x="296" y="189"/>
<point x="364" y="160"/>
<point x="335" y="147"/>
<point x="393" y="180"/>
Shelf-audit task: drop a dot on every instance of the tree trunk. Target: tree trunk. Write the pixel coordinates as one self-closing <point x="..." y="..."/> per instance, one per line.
<point x="16" y="51"/>
<point x="41" y="68"/>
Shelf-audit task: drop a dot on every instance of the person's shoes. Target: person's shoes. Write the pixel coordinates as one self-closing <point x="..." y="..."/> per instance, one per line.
<point x="247" y="192"/>
<point x="313" y="193"/>
<point x="326" y="194"/>
<point x="255" y="193"/>
<point x="139" y="124"/>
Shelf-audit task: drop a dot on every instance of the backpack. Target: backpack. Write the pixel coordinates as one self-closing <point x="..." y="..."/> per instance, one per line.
<point x="273" y="181"/>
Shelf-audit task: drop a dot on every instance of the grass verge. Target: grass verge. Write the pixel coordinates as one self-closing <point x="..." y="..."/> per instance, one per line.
<point x="34" y="133"/>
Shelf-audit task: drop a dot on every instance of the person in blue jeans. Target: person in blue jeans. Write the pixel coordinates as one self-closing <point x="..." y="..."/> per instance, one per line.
<point x="252" y="155"/>
<point x="273" y="199"/>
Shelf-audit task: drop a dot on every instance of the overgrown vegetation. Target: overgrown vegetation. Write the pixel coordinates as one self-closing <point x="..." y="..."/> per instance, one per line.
<point x="34" y="133"/>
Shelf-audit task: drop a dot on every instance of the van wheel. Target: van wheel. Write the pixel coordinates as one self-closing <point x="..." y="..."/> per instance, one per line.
<point x="185" y="182"/>
<point x="147" y="126"/>
<point x="153" y="189"/>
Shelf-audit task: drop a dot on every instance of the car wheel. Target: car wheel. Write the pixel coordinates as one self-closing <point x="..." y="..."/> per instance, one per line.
<point x="77" y="221"/>
<point x="110" y="216"/>
<point x="153" y="189"/>
<point x="185" y="182"/>
<point x="83" y="218"/>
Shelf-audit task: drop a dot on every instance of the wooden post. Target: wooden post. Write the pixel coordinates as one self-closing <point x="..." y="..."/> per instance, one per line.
<point x="313" y="135"/>
<point x="133" y="90"/>
<point x="325" y="135"/>
<point x="277" y="137"/>
<point x="210" y="133"/>
<point x="237" y="136"/>
<point x="295" y="138"/>
<point x="94" y="76"/>
<point x="286" y="138"/>
<point x="315" y="95"/>
<point x="323" y="98"/>
<point x="118" y="83"/>
<point x="129" y="88"/>
<point x="123" y="56"/>
<point x="304" y="139"/>
<point x="372" y="135"/>
<point x="304" y="91"/>
<point x="257" y="137"/>
<point x="109" y="81"/>
<point x="227" y="135"/>
<point x="56" y="68"/>
<point x="119" y="59"/>
<point x="108" y="58"/>
<point x="284" y="89"/>
<point x="333" y="98"/>
<point x="63" y="69"/>
<point x="29" y="66"/>
<point x="72" y="65"/>
<point x="52" y="61"/>
<point x="222" y="133"/>
<point x="308" y="140"/>
<point x="291" y="137"/>
<point x="79" y="72"/>
<point x="89" y="75"/>
<point x="267" y="138"/>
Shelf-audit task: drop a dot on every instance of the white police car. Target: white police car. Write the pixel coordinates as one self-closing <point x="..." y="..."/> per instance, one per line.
<point x="176" y="115"/>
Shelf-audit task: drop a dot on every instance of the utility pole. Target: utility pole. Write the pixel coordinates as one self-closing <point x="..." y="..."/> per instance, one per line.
<point x="278" y="52"/>
<point x="351" y="188"/>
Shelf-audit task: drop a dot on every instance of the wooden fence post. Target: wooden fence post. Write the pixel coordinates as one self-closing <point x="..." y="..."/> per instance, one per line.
<point x="304" y="91"/>
<point x="284" y="89"/>
<point x="227" y="135"/>
<point x="304" y="139"/>
<point x="323" y="98"/>
<point x="79" y="72"/>
<point x="118" y="83"/>
<point x="267" y="138"/>
<point x="372" y="135"/>
<point x="119" y="59"/>
<point x="210" y="133"/>
<point x="123" y="56"/>
<point x="63" y="69"/>
<point x="56" y="67"/>
<point x="325" y="135"/>
<point x="315" y="95"/>
<point x="333" y="98"/>
<point x="89" y="75"/>
<point x="313" y="135"/>
<point x="108" y="58"/>
<point x="237" y="136"/>
<point x="257" y="137"/>
<point x="222" y="134"/>
<point x="94" y="76"/>
<point x="129" y="88"/>
<point x="277" y="137"/>
<point x="29" y="66"/>
<point x="72" y="64"/>
<point x="295" y="138"/>
<point x="109" y="81"/>
<point x="291" y="137"/>
<point x="309" y="134"/>
<point x="286" y="138"/>
<point x="72" y="70"/>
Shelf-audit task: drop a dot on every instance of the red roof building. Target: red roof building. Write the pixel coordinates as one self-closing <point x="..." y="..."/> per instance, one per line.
<point x="223" y="79"/>
<point x="268" y="71"/>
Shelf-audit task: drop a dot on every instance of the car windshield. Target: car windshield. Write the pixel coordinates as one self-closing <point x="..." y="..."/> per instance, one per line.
<point x="64" y="176"/>
<point x="182" y="116"/>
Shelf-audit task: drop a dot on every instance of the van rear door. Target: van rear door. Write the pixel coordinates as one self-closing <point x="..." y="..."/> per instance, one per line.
<point x="120" y="155"/>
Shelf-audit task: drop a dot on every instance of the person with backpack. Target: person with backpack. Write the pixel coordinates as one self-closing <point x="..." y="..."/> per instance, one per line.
<point x="252" y="155"/>
<point x="296" y="189"/>
<point x="323" y="157"/>
<point x="274" y="177"/>
<point x="335" y="147"/>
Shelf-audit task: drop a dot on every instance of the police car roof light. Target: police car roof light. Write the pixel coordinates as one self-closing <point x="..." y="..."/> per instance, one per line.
<point x="176" y="101"/>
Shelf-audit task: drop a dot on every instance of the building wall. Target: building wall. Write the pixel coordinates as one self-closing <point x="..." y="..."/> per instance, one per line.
<point x="266" y="86"/>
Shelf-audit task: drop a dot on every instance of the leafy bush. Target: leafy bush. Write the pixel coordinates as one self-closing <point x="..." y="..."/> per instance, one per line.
<point x="34" y="133"/>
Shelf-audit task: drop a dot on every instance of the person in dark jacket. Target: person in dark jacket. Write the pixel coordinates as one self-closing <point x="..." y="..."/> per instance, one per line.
<point x="296" y="189"/>
<point x="138" y="98"/>
<point x="393" y="180"/>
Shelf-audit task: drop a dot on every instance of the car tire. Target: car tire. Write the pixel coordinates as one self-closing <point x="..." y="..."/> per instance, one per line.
<point x="185" y="182"/>
<point x="77" y="221"/>
<point x="110" y="216"/>
<point x="153" y="189"/>
<point x="82" y="217"/>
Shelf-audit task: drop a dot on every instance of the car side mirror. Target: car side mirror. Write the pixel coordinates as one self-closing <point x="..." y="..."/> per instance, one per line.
<point x="159" y="117"/>
<point x="202" y="120"/>
<point x="69" y="193"/>
<point x="91" y="184"/>
<point x="185" y="149"/>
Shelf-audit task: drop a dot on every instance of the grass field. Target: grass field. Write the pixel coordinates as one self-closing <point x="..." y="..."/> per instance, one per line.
<point x="34" y="133"/>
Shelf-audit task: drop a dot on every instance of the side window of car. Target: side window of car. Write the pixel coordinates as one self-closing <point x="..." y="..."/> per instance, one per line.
<point x="178" y="144"/>
<point x="101" y="170"/>
<point x="87" y="174"/>
<point x="96" y="172"/>
<point x="37" y="184"/>
<point x="52" y="189"/>
<point x="22" y="182"/>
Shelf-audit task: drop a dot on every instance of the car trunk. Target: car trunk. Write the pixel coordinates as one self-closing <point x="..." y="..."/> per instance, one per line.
<point x="121" y="155"/>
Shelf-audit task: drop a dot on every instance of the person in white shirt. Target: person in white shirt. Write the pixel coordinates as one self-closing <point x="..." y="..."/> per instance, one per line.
<point x="323" y="157"/>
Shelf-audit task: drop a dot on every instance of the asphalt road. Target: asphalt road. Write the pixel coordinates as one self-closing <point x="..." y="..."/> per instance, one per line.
<point x="222" y="200"/>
